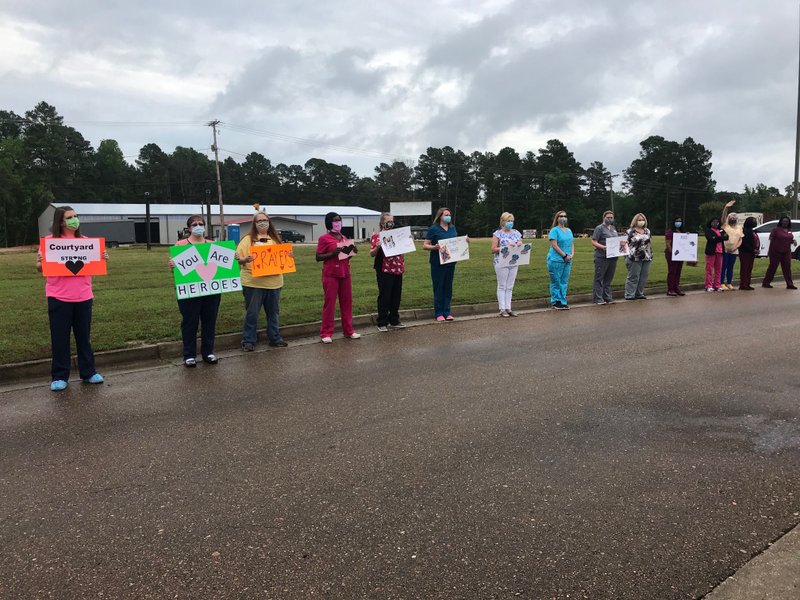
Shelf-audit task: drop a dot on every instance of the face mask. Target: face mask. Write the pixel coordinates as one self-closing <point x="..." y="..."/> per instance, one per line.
<point x="446" y="219"/>
<point x="336" y="226"/>
<point x="198" y="230"/>
<point x="732" y="221"/>
<point x="262" y="226"/>
<point x="609" y="221"/>
<point x="678" y="224"/>
<point x="641" y="223"/>
<point x="72" y="223"/>
<point x="715" y="225"/>
<point x="509" y="224"/>
<point x="562" y="220"/>
<point x="388" y="225"/>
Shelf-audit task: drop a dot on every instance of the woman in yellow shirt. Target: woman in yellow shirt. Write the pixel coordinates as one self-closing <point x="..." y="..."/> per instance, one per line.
<point x="260" y="291"/>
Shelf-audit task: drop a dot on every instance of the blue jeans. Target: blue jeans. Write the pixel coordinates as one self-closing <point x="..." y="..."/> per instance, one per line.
<point x="728" y="261"/>
<point x="254" y="299"/>
<point x="559" y="271"/>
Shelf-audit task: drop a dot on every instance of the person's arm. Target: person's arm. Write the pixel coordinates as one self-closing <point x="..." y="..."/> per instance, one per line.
<point x="668" y="241"/>
<point x="495" y="244"/>
<point x="595" y="242"/>
<point x="376" y="244"/>
<point x="39" y="261"/>
<point x="323" y="255"/>
<point x="725" y="212"/>
<point x="561" y="253"/>
<point x="243" y="253"/>
<point x="431" y="243"/>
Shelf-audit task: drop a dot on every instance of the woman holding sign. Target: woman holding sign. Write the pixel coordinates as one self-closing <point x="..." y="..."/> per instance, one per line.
<point x="559" y="260"/>
<point x="441" y="275"/>
<point x="389" y="272"/>
<point x="604" y="267"/>
<point x="69" y="308"/>
<point x="334" y="251"/>
<point x="674" y="267"/>
<point x="264" y="291"/>
<point x="505" y="237"/>
<point x="200" y="311"/>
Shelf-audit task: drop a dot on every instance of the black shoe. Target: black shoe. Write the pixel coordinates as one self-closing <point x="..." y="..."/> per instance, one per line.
<point x="189" y="363"/>
<point x="766" y="285"/>
<point x="278" y="344"/>
<point x="210" y="359"/>
<point x="791" y="287"/>
<point x="557" y="305"/>
<point x="247" y="347"/>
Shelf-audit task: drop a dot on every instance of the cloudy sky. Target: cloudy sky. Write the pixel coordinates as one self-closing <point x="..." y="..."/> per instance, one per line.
<point x="362" y="82"/>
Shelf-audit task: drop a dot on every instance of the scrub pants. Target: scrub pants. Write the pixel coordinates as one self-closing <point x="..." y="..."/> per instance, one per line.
<point x="559" y="270"/>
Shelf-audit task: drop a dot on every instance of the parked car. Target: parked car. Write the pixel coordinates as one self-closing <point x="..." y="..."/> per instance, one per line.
<point x="290" y="235"/>
<point x="764" y="230"/>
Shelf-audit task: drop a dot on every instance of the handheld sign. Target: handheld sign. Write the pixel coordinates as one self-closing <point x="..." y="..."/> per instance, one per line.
<point x="272" y="259"/>
<point x="397" y="241"/>
<point x="347" y="248"/>
<point x="684" y="247"/>
<point x="453" y="250"/>
<point x="512" y="256"/>
<point x="616" y="246"/>
<point x="67" y="257"/>
<point x="205" y="269"/>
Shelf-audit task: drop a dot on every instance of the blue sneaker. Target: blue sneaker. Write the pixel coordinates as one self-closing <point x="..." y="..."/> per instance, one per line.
<point x="58" y="385"/>
<point x="96" y="378"/>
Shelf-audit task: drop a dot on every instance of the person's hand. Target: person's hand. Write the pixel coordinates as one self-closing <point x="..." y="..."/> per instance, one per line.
<point x="171" y="263"/>
<point x="291" y="254"/>
<point x="731" y="203"/>
<point x="468" y="240"/>
<point x="105" y="254"/>
<point x="378" y="242"/>
<point x="567" y="257"/>
<point x="519" y="243"/>
<point x="39" y="257"/>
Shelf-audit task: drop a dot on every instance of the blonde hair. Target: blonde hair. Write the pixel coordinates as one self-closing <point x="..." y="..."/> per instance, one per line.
<point x="608" y="212"/>
<point x="506" y="216"/>
<point x="439" y="214"/>
<point x="636" y="217"/>
<point x="555" y="217"/>
<point x="383" y="218"/>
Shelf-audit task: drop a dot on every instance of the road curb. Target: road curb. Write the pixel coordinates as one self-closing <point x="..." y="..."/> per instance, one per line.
<point x="169" y="352"/>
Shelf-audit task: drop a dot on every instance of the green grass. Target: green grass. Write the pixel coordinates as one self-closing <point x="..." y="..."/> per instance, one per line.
<point x="135" y="303"/>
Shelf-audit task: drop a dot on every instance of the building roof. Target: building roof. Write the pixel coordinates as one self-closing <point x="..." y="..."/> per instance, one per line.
<point x="97" y="208"/>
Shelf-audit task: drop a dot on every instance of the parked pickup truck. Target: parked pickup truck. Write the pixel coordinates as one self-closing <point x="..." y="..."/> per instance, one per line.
<point x="290" y="235"/>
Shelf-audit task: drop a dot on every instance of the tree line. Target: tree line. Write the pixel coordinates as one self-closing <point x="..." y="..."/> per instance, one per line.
<point x="43" y="160"/>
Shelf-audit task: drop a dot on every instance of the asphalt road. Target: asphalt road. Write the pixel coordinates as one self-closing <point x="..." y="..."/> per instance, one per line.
<point x="643" y="450"/>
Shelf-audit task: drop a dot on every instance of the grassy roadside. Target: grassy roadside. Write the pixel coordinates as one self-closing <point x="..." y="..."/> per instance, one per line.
<point x="135" y="303"/>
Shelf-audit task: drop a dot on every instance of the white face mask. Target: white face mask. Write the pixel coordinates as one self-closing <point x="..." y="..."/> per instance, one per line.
<point x="262" y="226"/>
<point x="641" y="223"/>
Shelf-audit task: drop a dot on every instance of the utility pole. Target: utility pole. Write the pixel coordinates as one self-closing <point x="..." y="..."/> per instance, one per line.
<point x="222" y="234"/>
<point x="147" y="217"/>
<point x="611" y="192"/>
<point x="796" y="150"/>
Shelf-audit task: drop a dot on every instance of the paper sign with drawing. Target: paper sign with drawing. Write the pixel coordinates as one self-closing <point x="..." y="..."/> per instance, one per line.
<point x="397" y="241"/>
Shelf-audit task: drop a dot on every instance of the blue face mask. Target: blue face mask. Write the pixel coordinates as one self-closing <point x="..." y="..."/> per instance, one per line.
<point x="446" y="219"/>
<point x="678" y="224"/>
<point x="509" y="224"/>
<point x="198" y="230"/>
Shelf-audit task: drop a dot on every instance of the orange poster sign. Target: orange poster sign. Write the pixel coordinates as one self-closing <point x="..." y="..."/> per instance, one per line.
<point x="67" y="257"/>
<point x="272" y="259"/>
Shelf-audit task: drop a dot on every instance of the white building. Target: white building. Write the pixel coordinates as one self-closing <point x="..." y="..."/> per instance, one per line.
<point x="167" y="221"/>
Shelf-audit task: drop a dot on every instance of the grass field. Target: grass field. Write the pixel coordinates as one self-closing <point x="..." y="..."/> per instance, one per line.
<point x="135" y="303"/>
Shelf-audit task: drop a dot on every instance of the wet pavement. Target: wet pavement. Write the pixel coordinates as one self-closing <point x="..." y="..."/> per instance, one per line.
<point x="643" y="450"/>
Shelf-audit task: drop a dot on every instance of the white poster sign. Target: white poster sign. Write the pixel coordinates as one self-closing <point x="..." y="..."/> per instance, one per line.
<point x="684" y="247"/>
<point x="616" y="246"/>
<point x="63" y="250"/>
<point x="397" y="241"/>
<point x="453" y="250"/>
<point x="512" y="256"/>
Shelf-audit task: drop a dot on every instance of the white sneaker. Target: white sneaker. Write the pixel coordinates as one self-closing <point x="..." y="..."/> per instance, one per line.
<point x="354" y="336"/>
<point x="709" y="289"/>
<point x="326" y="340"/>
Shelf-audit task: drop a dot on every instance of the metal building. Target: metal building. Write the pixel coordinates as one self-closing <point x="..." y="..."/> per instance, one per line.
<point x="167" y="221"/>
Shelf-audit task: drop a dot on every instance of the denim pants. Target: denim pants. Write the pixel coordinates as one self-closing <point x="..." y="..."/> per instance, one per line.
<point x="200" y="311"/>
<point x="442" y="278"/>
<point x="66" y="318"/>
<point x="728" y="261"/>
<point x="559" y="270"/>
<point x="254" y="300"/>
<point x="638" y="272"/>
